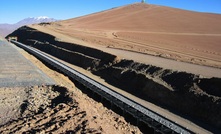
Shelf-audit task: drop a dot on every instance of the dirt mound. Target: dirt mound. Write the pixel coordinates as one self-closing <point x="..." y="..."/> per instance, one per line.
<point x="49" y="109"/>
<point x="53" y="109"/>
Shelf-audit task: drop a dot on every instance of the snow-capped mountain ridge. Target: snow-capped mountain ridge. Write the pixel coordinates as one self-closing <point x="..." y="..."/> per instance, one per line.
<point x="6" y="29"/>
<point x="34" y="20"/>
<point x="42" y="17"/>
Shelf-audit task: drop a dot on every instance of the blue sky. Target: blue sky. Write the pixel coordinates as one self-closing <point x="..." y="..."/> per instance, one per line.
<point x="12" y="11"/>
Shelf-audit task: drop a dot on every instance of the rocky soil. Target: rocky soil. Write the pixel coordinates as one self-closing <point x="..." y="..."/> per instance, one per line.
<point x="53" y="109"/>
<point x="189" y="95"/>
<point x="56" y="109"/>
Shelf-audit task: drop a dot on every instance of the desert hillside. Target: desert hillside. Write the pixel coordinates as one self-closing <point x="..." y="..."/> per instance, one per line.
<point x="149" y="18"/>
<point x="156" y="30"/>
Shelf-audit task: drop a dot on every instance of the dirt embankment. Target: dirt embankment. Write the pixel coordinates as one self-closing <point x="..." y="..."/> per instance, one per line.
<point x="181" y="92"/>
<point x="187" y="94"/>
<point x="85" y="57"/>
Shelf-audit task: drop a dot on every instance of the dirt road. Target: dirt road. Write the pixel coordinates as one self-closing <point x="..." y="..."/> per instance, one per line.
<point x="166" y="63"/>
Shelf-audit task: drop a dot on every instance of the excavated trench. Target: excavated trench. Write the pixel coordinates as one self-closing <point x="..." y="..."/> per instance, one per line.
<point x="186" y="94"/>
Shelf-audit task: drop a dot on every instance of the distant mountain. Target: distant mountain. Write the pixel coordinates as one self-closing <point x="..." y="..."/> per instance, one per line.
<point x="6" y="29"/>
<point x="34" y="20"/>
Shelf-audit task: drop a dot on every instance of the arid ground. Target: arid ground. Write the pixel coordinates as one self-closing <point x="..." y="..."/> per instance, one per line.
<point x="166" y="56"/>
<point x="161" y="31"/>
<point x="59" y="108"/>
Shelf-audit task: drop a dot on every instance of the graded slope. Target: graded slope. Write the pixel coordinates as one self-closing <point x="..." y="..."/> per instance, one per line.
<point x="161" y="31"/>
<point x="150" y="18"/>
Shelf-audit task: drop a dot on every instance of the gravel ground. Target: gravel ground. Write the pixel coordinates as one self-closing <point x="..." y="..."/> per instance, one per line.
<point x="16" y="70"/>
